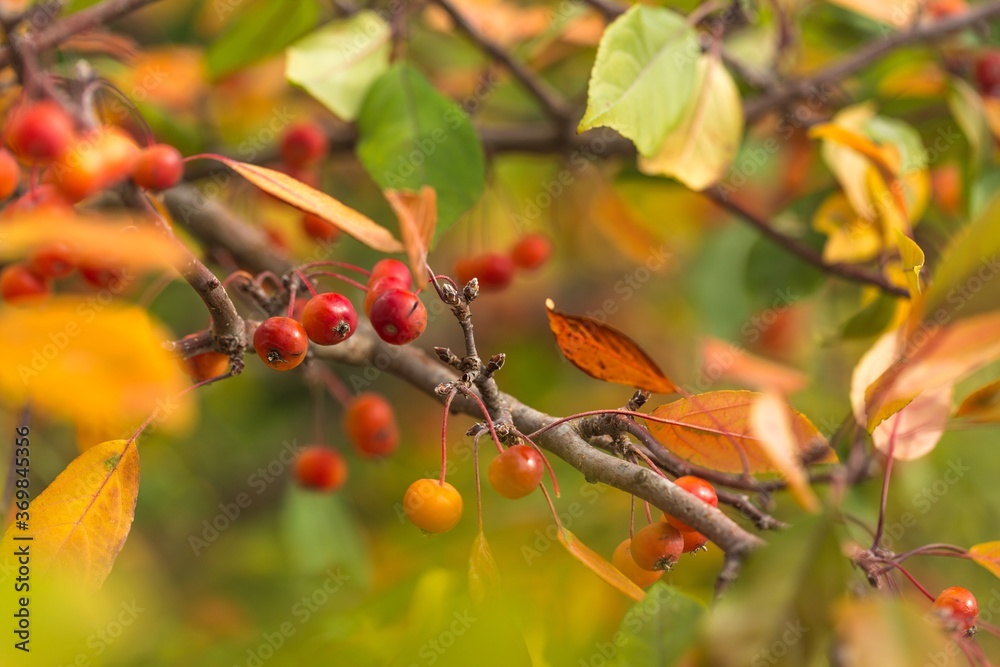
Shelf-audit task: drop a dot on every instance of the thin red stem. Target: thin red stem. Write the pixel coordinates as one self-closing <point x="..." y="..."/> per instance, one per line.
<point x="885" y="484"/>
<point x="486" y="415"/>
<point x="305" y="279"/>
<point x="333" y="262"/>
<point x="444" y="434"/>
<point x="913" y="581"/>
<point x="552" y="507"/>
<point x="479" y="490"/>
<point x="338" y="276"/>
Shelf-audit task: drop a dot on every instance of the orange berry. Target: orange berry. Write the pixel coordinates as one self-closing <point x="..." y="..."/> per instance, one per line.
<point x="432" y="506"/>
<point x="623" y="561"/>
<point x="657" y="546"/>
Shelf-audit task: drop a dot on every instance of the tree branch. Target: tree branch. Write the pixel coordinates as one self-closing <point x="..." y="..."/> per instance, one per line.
<point x="77" y="22"/>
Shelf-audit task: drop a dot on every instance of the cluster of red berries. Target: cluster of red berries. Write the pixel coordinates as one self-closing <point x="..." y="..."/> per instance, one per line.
<point x="370" y="423"/>
<point x="658" y="546"/>
<point x="957" y="609"/>
<point x="31" y="281"/>
<point x="495" y="270"/>
<point x="396" y="313"/>
<point x="302" y="148"/>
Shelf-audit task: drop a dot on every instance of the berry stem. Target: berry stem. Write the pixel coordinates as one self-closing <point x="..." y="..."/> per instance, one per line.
<point x="335" y="386"/>
<point x="649" y="513"/>
<point x="444" y="433"/>
<point x="913" y="580"/>
<point x="631" y="517"/>
<point x="319" y="424"/>
<point x="939" y="549"/>
<point x="475" y="469"/>
<point x="552" y="507"/>
<point x="338" y="276"/>
<point x="333" y="262"/>
<point x="486" y="414"/>
<point x="885" y="485"/>
<point x="305" y="279"/>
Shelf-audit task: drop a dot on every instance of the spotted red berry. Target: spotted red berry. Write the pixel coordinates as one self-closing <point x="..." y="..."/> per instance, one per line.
<point x="398" y="316"/>
<point x="329" y="318"/>
<point x="281" y="343"/>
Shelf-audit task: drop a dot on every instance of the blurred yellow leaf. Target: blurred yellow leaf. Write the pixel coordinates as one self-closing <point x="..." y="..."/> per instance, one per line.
<point x="878" y="630"/>
<point x="92" y="362"/>
<point x="915" y="430"/>
<point x="896" y="13"/>
<point x="851" y="238"/>
<point x="599" y="566"/>
<point x="79" y="523"/>
<point x="982" y="405"/>
<point x="171" y="76"/>
<point x="484" y="577"/>
<point x="913" y="261"/>
<point x="97" y="240"/>
<point x="771" y="422"/>
<point x="310" y="200"/>
<point x="987" y="554"/>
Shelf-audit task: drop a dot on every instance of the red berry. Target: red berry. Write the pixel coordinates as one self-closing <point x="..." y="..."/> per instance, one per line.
<point x="320" y="468"/>
<point x="20" y="286"/>
<point x="160" y="166"/>
<point x="281" y="343"/>
<point x="103" y="277"/>
<point x="96" y="161"/>
<point x="10" y="173"/>
<point x="392" y="269"/>
<point x="517" y="471"/>
<point x="531" y="251"/>
<point x="40" y="132"/>
<point x="693" y="540"/>
<point x="370" y="423"/>
<point x="205" y="366"/>
<point x="329" y="319"/>
<point x="624" y="563"/>
<point x="657" y="546"/>
<point x="495" y="271"/>
<point x="303" y="144"/>
<point x="319" y="229"/>
<point x="56" y="260"/>
<point x="432" y="506"/>
<point x="700" y="489"/>
<point x="958" y="608"/>
<point x="398" y="316"/>
<point x="988" y="73"/>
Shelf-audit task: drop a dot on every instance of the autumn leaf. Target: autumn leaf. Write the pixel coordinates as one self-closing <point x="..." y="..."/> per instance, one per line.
<point x="95" y="240"/>
<point x="80" y="521"/>
<point x="417" y="213"/>
<point x="713" y="430"/>
<point x="605" y="353"/>
<point x="598" y="565"/>
<point x="96" y="365"/>
<point x="310" y="200"/>
<point x="721" y="360"/>
<point x="987" y="554"/>
<point x="912" y="258"/>
<point x="982" y="405"/>
<point x="484" y="577"/>
<point x="916" y="429"/>
<point x="771" y="423"/>
<point x="882" y="630"/>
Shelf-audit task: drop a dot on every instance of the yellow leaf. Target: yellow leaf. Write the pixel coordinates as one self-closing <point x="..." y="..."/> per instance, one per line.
<point x="987" y="554"/>
<point x="915" y="430"/>
<point x="94" y="363"/>
<point x="896" y="13"/>
<point x="771" y="422"/>
<point x="484" y="577"/>
<point x="95" y="240"/>
<point x="982" y="405"/>
<point x="913" y="261"/>
<point x="605" y="353"/>
<point x="700" y="149"/>
<point x="417" y="213"/>
<point x="310" y="200"/>
<point x="599" y="566"/>
<point x="851" y="238"/>
<point x="79" y="523"/>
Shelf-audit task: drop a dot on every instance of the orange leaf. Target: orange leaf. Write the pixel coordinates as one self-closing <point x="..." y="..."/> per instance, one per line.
<point x="417" y="213"/>
<point x="712" y="430"/>
<point x="771" y="422"/>
<point x="987" y="554"/>
<point x="982" y="405"/>
<point x="484" y="577"/>
<point x="301" y="196"/>
<point x="605" y="353"/>
<point x="79" y="523"/>
<point x="599" y="566"/>
<point x="722" y="360"/>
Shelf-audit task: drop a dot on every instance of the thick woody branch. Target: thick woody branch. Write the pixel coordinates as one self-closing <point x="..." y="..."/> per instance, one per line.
<point x="424" y="372"/>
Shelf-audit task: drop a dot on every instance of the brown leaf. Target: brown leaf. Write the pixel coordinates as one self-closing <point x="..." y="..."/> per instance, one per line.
<point x="303" y="197"/>
<point x="605" y="353"/>
<point x="417" y="213"/>
<point x="599" y="566"/>
<point x="713" y="429"/>
<point x="982" y="405"/>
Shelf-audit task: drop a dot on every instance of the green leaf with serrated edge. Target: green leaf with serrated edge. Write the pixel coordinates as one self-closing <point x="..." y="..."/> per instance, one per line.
<point x="644" y="76"/>
<point x="785" y="594"/>
<point x="872" y="319"/>
<point x="700" y="149"/>
<point x="411" y="136"/>
<point x="967" y="279"/>
<point x="338" y="63"/>
<point x="262" y="29"/>
<point x="660" y="630"/>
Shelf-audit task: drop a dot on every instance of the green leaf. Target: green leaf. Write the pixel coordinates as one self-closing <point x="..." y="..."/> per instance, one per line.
<point x="785" y="596"/>
<point x="967" y="107"/>
<point x="660" y="630"/>
<point x="338" y="63"/>
<point x="872" y="319"/>
<point x="965" y="282"/>
<point x="700" y="149"/>
<point x="644" y="76"/>
<point x="411" y="136"/>
<point x="319" y="533"/>
<point x="261" y="30"/>
<point x="774" y="278"/>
